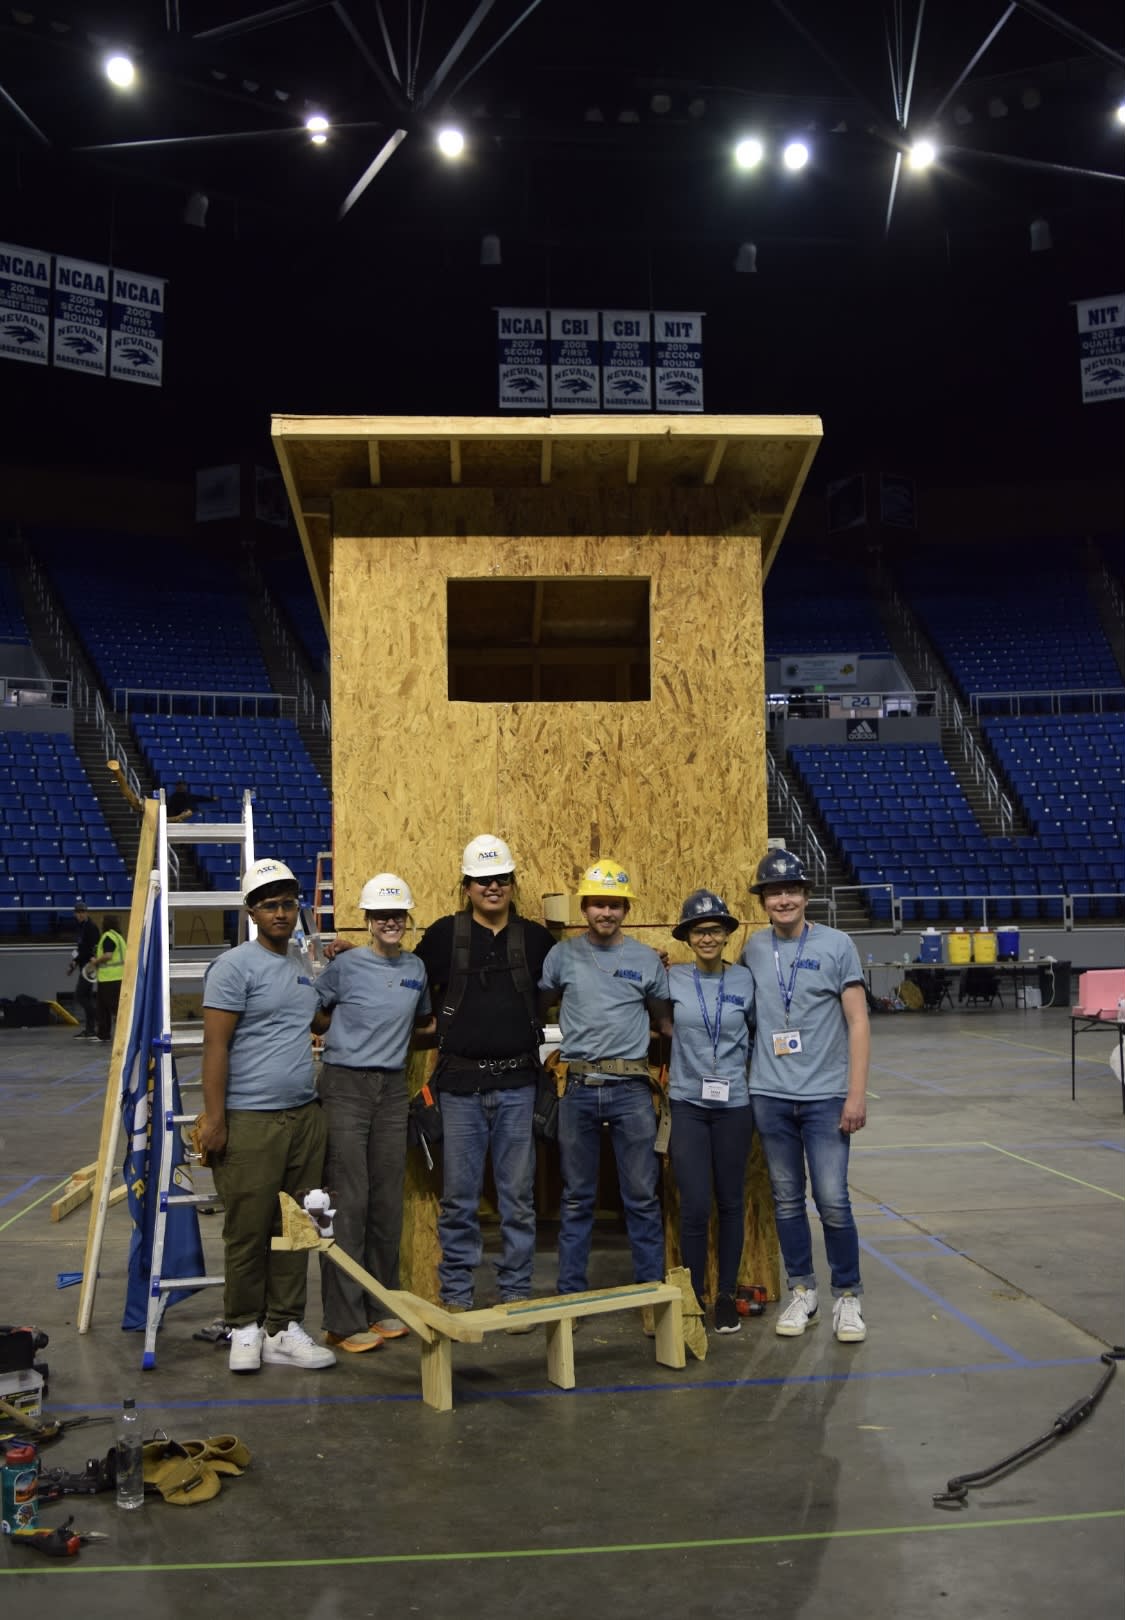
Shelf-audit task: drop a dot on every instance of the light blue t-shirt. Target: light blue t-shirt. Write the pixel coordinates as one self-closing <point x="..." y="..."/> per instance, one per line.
<point x="828" y="963"/>
<point x="374" y="1002"/>
<point x="695" y="1052"/>
<point x="271" y="1061"/>
<point x="603" y="1012"/>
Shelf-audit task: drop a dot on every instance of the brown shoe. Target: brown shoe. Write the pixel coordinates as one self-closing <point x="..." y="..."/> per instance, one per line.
<point x="390" y="1328"/>
<point x="356" y="1343"/>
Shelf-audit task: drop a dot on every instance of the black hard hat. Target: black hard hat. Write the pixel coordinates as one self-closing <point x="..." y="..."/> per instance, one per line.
<point x="703" y="906"/>
<point x="779" y="866"/>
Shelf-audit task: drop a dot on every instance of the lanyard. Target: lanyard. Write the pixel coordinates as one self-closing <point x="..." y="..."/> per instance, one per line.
<point x="787" y="993"/>
<point x="713" y="1034"/>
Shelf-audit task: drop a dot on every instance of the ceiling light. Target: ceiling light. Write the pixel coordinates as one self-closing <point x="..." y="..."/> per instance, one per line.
<point x="1120" y="114"/>
<point x="697" y="107"/>
<point x="749" y="152"/>
<point x="961" y="114"/>
<point x="921" y="154"/>
<point x="628" y="115"/>
<point x="1030" y="98"/>
<point x="746" y="259"/>
<point x="795" y="155"/>
<point x="316" y="124"/>
<point x="1040" y="232"/>
<point x="195" y="210"/>
<point x="451" y="142"/>
<point x="120" y="71"/>
<point x="594" y="115"/>
<point x="661" y="103"/>
<point x="319" y="139"/>
<point x="489" y="250"/>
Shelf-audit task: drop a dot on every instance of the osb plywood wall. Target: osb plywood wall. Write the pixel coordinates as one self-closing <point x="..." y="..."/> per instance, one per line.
<point x="673" y="788"/>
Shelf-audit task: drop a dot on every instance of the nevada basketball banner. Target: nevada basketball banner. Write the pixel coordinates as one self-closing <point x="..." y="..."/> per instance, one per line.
<point x="1101" y="338"/>
<point x="136" y="347"/>
<point x="80" y="316"/>
<point x="626" y="360"/>
<point x="521" y="342"/>
<point x="25" y="303"/>
<point x="575" y="373"/>
<point x="678" y="339"/>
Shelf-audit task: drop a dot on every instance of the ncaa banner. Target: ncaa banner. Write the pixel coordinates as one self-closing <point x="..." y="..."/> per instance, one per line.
<point x="575" y="373"/>
<point x="678" y="341"/>
<point x="80" y="315"/>
<point x="1101" y="341"/>
<point x="626" y="360"/>
<point x="521" y="345"/>
<point x="136" y="345"/>
<point x="25" y="303"/>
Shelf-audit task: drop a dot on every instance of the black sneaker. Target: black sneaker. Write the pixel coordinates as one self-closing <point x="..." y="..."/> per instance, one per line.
<point x="727" y="1319"/>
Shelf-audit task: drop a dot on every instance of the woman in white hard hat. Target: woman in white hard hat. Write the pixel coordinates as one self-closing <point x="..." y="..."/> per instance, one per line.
<point x="712" y="1123"/>
<point x="371" y="1003"/>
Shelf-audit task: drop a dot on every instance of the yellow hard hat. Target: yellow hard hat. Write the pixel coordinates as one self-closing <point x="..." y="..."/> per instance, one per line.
<point x="607" y="881"/>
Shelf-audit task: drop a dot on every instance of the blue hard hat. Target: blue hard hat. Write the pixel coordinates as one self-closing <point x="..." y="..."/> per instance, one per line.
<point x="702" y="905"/>
<point x="779" y="866"/>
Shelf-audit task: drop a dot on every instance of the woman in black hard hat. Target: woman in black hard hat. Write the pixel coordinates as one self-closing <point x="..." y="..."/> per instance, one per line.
<point x="712" y="1124"/>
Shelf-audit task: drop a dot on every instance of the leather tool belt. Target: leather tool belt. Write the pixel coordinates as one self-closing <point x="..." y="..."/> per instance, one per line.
<point x="593" y="1074"/>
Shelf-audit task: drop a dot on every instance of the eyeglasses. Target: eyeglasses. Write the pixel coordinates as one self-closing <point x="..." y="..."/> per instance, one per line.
<point x="503" y="880"/>
<point x="274" y="905"/>
<point x="708" y="933"/>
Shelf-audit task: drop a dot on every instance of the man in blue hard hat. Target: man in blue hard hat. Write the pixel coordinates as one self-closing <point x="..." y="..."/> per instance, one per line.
<point x="808" y="1085"/>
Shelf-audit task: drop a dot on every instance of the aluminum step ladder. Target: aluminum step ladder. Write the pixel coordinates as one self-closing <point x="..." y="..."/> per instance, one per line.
<point x="183" y="968"/>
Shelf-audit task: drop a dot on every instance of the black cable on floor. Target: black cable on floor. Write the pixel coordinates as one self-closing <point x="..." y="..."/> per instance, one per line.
<point x="957" y="1490"/>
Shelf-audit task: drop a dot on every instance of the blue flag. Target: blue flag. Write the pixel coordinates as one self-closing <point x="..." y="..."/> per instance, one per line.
<point x="144" y="1130"/>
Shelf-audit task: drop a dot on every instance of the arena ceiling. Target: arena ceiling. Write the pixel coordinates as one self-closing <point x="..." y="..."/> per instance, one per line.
<point x="607" y="121"/>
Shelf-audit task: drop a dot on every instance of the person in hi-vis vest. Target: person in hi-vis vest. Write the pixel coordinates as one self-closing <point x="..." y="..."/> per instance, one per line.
<point x="110" y="963"/>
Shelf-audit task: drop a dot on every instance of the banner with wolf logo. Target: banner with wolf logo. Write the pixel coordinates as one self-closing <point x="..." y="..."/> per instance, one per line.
<point x="25" y="303"/>
<point x="1101" y="338"/>
<point x="678" y="340"/>
<point x="575" y="373"/>
<point x="626" y="360"/>
<point x="136" y="347"/>
<point x="521" y="342"/>
<point x="80" y="315"/>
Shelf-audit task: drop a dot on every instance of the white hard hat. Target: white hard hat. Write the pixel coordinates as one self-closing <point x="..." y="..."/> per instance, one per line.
<point x="486" y="855"/>
<point x="386" y="892"/>
<point x="262" y="874"/>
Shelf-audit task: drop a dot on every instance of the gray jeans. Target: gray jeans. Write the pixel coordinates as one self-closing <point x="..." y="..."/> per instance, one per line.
<point x="366" y="1112"/>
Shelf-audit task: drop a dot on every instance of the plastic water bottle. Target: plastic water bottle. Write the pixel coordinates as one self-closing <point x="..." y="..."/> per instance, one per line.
<point x="870" y="959"/>
<point x="19" y="1487"/>
<point x="1121" y="1009"/>
<point x="130" y="1462"/>
<point x="1031" y="956"/>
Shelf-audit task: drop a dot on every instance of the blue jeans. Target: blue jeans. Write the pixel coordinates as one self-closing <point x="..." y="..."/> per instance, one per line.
<point x="711" y="1144"/>
<point x="499" y="1122"/>
<point x="627" y="1109"/>
<point x="792" y="1132"/>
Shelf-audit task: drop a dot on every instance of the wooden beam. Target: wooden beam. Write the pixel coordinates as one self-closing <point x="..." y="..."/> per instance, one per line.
<point x="111" y="1108"/>
<point x="316" y="506"/>
<point x="374" y="464"/>
<point x="715" y="460"/>
<point x="545" y="450"/>
<point x="550" y="428"/>
<point x="560" y="1353"/>
<point x="632" y="461"/>
<point x="454" y="461"/>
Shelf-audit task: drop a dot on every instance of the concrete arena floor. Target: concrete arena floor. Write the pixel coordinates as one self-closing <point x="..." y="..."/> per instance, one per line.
<point x="780" y="1477"/>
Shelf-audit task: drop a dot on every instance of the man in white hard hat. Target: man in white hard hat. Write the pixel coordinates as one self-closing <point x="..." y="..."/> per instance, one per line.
<point x="484" y="964"/>
<point x="263" y="1128"/>
<point x="613" y="988"/>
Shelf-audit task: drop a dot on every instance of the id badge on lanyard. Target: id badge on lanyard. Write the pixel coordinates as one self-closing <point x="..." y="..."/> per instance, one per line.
<point x="787" y="1042"/>
<point x="713" y="1087"/>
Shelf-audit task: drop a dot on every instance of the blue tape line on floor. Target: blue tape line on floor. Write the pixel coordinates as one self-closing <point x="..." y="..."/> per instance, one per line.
<point x="951" y="1310"/>
<point x="16" y="1191"/>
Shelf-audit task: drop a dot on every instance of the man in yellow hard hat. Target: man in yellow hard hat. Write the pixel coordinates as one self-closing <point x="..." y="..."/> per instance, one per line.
<point x="612" y="988"/>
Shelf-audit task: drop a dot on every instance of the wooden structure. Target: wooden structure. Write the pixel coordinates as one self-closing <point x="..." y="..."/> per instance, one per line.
<point x="548" y="628"/>
<point x="439" y="1329"/>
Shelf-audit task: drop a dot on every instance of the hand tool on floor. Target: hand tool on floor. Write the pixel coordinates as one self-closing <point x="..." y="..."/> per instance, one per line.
<point x="62" y="1541"/>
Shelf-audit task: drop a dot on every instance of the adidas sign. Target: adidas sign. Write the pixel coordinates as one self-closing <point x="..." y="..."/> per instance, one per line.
<point x="862" y="731"/>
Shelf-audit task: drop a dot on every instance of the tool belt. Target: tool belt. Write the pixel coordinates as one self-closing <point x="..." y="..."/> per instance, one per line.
<point x="450" y="1063"/>
<point x="593" y="1074"/>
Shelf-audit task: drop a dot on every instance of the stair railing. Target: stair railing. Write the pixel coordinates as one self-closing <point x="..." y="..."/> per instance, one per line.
<point x="800" y="836"/>
<point x="113" y="749"/>
<point x="61" y="635"/>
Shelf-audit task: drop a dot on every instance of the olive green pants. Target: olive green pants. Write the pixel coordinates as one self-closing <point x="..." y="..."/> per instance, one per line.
<point x="267" y="1152"/>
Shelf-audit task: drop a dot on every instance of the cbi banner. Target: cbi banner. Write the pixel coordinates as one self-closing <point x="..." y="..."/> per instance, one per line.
<point x="678" y="340"/>
<point x="80" y="315"/>
<point x="25" y="304"/>
<point x="626" y="360"/>
<point x="521" y="345"/>
<point x="575" y="372"/>
<point x="1101" y="340"/>
<point x="136" y="344"/>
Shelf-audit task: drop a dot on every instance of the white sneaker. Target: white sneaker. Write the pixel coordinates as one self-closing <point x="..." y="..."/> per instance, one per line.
<point x="246" y="1348"/>
<point x="797" y="1315"/>
<point x="847" y="1320"/>
<point x="292" y="1347"/>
